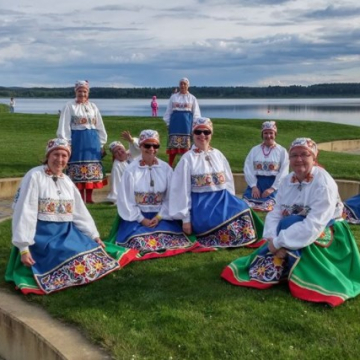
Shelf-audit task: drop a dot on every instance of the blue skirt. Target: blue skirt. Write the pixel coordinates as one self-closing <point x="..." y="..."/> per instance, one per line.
<point x="85" y="161"/>
<point x="167" y="235"/>
<point x="352" y="210"/>
<point x="180" y="128"/>
<point x="66" y="257"/>
<point x="220" y="219"/>
<point x="261" y="204"/>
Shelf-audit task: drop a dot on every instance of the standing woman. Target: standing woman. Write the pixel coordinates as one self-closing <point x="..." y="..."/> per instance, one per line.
<point x="202" y="195"/>
<point x="143" y="205"/>
<point x="81" y="124"/>
<point x="308" y="242"/>
<point x="56" y="242"/>
<point x="180" y="112"/>
<point x="265" y="167"/>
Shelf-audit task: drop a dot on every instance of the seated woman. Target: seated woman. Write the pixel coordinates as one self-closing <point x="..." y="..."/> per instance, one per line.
<point x="352" y="210"/>
<point x="308" y="243"/>
<point x="121" y="159"/>
<point x="202" y="195"/>
<point x="56" y="241"/>
<point x="265" y="167"/>
<point x="142" y="204"/>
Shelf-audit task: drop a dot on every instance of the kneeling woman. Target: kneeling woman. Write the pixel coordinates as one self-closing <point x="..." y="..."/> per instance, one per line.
<point x="145" y="224"/>
<point x="57" y="243"/>
<point x="202" y="195"/>
<point x="308" y="243"/>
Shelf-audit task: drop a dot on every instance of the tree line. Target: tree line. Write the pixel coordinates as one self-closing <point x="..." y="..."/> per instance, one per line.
<point x="201" y="92"/>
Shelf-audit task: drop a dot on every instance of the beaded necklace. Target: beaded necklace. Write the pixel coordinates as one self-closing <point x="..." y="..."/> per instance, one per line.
<point x="266" y="154"/>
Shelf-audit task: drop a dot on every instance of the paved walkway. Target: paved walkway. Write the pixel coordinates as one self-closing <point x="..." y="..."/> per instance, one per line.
<point x="5" y="208"/>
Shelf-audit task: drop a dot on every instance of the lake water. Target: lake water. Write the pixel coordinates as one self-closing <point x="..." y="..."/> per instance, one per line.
<point x="344" y="111"/>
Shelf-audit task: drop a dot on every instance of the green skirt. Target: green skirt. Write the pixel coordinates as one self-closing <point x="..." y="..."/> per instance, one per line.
<point x="326" y="271"/>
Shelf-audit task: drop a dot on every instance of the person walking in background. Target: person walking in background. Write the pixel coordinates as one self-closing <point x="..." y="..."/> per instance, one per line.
<point x="12" y="105"/>
<point x="81" y="124"/>
<point x="154" y="106"/>
<point x="180" y="112"/>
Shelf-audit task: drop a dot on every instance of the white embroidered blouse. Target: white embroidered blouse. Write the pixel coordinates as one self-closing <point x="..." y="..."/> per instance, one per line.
<point x="39" y="197"/>
<point x="265" y="161"/>
<point x="144" y="188"/>
<point x="316" y="197"/>
<point x="84" y="116"/>
<point x="198" y="171"/>
<point x="182" y="102"/>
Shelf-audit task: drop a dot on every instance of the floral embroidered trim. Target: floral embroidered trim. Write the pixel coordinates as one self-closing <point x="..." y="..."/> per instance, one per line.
<point x="54" y="207"/>
<point x="149" y="198"/>
<point x="308" y="179"/>
<point x="267" y="205"/>
<point x="237" y="232"/>
<point x="158" y="241"/>
<point x="78" y="120"/>
<point x="179" y="142"/>
<point x="268" y="268"/>
<point x="208" y="179"/>
<point x="50" y="173"/>
<point x="79" y="270"/>
<point x="266" y="165"/>
<point x="182" y="106"/>
<point x="198" y="151"/>
<point x="142" y="162"/>
<point x="325" y="238"/>
<point x="295" y="209"/>
<point x="82" y="172"/>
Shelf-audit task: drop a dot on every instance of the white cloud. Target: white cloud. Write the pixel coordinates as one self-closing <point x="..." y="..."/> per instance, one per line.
<point x="215" y="42"/>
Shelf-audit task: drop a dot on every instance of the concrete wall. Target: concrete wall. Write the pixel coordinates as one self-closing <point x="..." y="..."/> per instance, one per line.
<point x="347" y="188"/>
<point x="340" y="146"/>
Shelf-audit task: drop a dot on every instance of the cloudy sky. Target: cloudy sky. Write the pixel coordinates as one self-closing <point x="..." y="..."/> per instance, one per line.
<point x="143" y="43"/>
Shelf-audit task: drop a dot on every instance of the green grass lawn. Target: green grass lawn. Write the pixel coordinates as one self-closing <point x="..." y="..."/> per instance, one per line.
<point x="179" y="308"/>
<point x="24" y="136"/>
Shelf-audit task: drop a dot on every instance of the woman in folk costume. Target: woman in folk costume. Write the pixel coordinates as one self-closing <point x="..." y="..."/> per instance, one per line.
<point x="121" y="159"/>
<point x="143" y="200"/>
<point x="81" y="124"/>
<point x="308" y="243"/>
<point x="180" y="112"/>
<point x="265" y="167"/>
<point x="56" y="243"/>
<point x="202" y="195"/>
<point x="352" y="210"/>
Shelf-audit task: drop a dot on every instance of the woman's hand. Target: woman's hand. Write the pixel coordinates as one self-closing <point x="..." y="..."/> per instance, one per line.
<point x="127" y="136"/>
<point x="100" y="242"/>
<point x="255" y="192"/>
<point x="27" y="259"/>
<point x="154" y="221"/>
<point x="187" y="228"/>
<point x="281" y="253"/>
<point x="267" y="192"/>
<point x="146" y="222"/>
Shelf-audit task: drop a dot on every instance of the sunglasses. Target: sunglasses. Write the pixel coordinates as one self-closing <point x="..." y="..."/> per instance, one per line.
<point x="205" y="132"/>
<point x="149" y="146"/>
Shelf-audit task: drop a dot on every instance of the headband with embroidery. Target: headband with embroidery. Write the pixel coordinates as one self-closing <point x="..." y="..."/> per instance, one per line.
<point x="57" y="143"/>
<point x="306" y="143"/>
<point x="185" y="80"/>
<point x="114" y="145"/>
<point x="202" y="122"/>
<point x="269" y="125"/>
<point x="149" y="136"/>
<point x="82" y="83"/>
